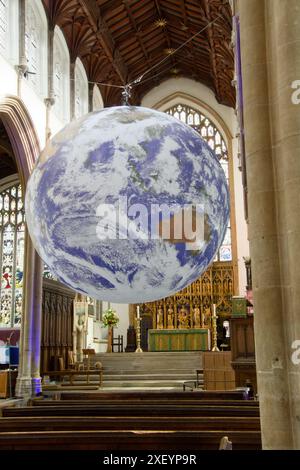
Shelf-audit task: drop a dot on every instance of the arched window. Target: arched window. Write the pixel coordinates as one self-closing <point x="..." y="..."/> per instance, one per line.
<point x="12" y="238"/>
<point x="12" y="234"/>
<point x="97" y="98"/>
<point x="36" y="50"/>
<point x="81" y="90"/>
<point x="61" y="76"/>
<point x="213" y="137"/>
<point x="9" y="30"/>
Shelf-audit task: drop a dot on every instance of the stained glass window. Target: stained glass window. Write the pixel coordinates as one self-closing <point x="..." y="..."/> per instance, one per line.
<point x="12" y="241"/>
<point x="213" y="137"/>
<point x="12" y="232"/>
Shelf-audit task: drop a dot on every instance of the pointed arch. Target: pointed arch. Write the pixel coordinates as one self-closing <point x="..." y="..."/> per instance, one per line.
<point x="26" y="148"/>
<point x="22" y="135"/>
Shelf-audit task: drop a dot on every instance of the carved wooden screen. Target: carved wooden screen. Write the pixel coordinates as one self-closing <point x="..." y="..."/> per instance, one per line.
<point x="57" y="324"/>
<point x="216" y="285"/>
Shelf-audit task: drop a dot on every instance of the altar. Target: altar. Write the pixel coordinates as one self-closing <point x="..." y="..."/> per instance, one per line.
<point x="192" y="339"/>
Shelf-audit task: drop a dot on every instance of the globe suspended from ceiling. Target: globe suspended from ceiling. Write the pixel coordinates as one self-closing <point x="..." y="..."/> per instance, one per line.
<point x="127" y="205"/>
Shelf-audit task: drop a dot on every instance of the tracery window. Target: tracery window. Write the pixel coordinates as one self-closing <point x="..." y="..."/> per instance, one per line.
<point x="97" y="99"/>
<point x="3" y="25"/>
<point x="81" y="90"/>
<point x="12" y="235"/>
<point x="213" y="137"/>
<point x="12" y="241"/>
<point x="9" y="30"/>
<point x="61" y="74"/>
<point x="36" y="46"/>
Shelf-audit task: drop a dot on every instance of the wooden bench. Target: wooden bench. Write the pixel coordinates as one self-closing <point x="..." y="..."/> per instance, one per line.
<point x="71" y="373"/>
<point x="155" y="395"/>
<point x="166" y="423"/>
<point x="87" y="409"/>
<point x="127" y="440"/>
<point x="149" y="403"/>
<point x="129" y="421"/>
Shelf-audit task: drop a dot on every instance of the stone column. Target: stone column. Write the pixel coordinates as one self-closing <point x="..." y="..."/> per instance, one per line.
<point x="72" y="90"/>
<point x="269" y="322"/>
<point x="283" y="45"/>
<point x="36" y="325"/>
<point x="91" y="96"/>
<point x="24" y="382"/>
<point x="28" y="381"/>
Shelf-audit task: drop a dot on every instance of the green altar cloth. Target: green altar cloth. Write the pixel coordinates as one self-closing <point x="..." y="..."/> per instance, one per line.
<point x="194" y="339"/>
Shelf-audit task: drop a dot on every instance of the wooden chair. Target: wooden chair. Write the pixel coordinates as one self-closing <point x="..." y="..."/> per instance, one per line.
<point x="118" y="342"/>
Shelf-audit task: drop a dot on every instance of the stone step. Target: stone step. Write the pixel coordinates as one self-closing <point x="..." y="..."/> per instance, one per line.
<point x="131" y="378"/>
<point x="150" y="384"/>
<point x="140" y="377"/>
<point x="149" y="376"/>
<point x="143" y="383"/>
<point x="147" y="371"/>
<point x="145" y="361"/>
<point x="113" y="371"/>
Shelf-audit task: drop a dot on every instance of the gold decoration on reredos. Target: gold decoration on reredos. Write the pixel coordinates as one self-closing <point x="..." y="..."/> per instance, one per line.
<point x="192" y="306"/>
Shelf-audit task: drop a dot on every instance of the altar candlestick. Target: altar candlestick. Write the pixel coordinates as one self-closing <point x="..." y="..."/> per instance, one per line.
<point x="214" y="310"/>
<point x="138" y="331"/>
<point x="214" y="330"/>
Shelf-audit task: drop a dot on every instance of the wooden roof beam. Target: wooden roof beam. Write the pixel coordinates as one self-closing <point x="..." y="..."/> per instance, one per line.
<point x="210" y="36"/>
<point x="101" y="29"/>
<point x="132" y="20"/>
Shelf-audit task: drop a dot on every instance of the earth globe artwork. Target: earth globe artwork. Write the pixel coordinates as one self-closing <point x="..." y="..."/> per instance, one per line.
<point x="127" y="205"/>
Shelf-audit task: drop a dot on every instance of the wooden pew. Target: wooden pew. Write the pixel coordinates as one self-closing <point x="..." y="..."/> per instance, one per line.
<point x="87" y="409"/>
<point x="127" y="440"/>
<point x="167" y="423"/>
<point x="149" y="403"/>
<point x="160" y="395"/>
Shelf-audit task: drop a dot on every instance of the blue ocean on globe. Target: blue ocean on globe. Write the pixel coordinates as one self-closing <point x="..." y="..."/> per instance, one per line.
<point x="92" y="196"/>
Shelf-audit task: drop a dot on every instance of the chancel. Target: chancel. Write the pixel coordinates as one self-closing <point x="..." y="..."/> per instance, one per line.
<point x="186" y="339"/>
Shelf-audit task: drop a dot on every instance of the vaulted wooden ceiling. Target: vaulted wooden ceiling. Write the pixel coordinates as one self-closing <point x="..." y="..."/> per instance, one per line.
<point x="118" y="41"/>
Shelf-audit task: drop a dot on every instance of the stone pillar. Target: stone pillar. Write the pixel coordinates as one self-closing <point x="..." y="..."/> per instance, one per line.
<point x="28" y="381"/>
<point x="283" y="45"/>
<point x="269" y="320"/>
<point x="72" y="90"/>
<point x="91" y="96"/>
<point x="24" y="382"/>
<point x="36" y="325"/>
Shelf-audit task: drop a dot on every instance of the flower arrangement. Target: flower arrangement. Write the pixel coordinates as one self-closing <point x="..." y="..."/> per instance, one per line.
<point x="110" y="318"/>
